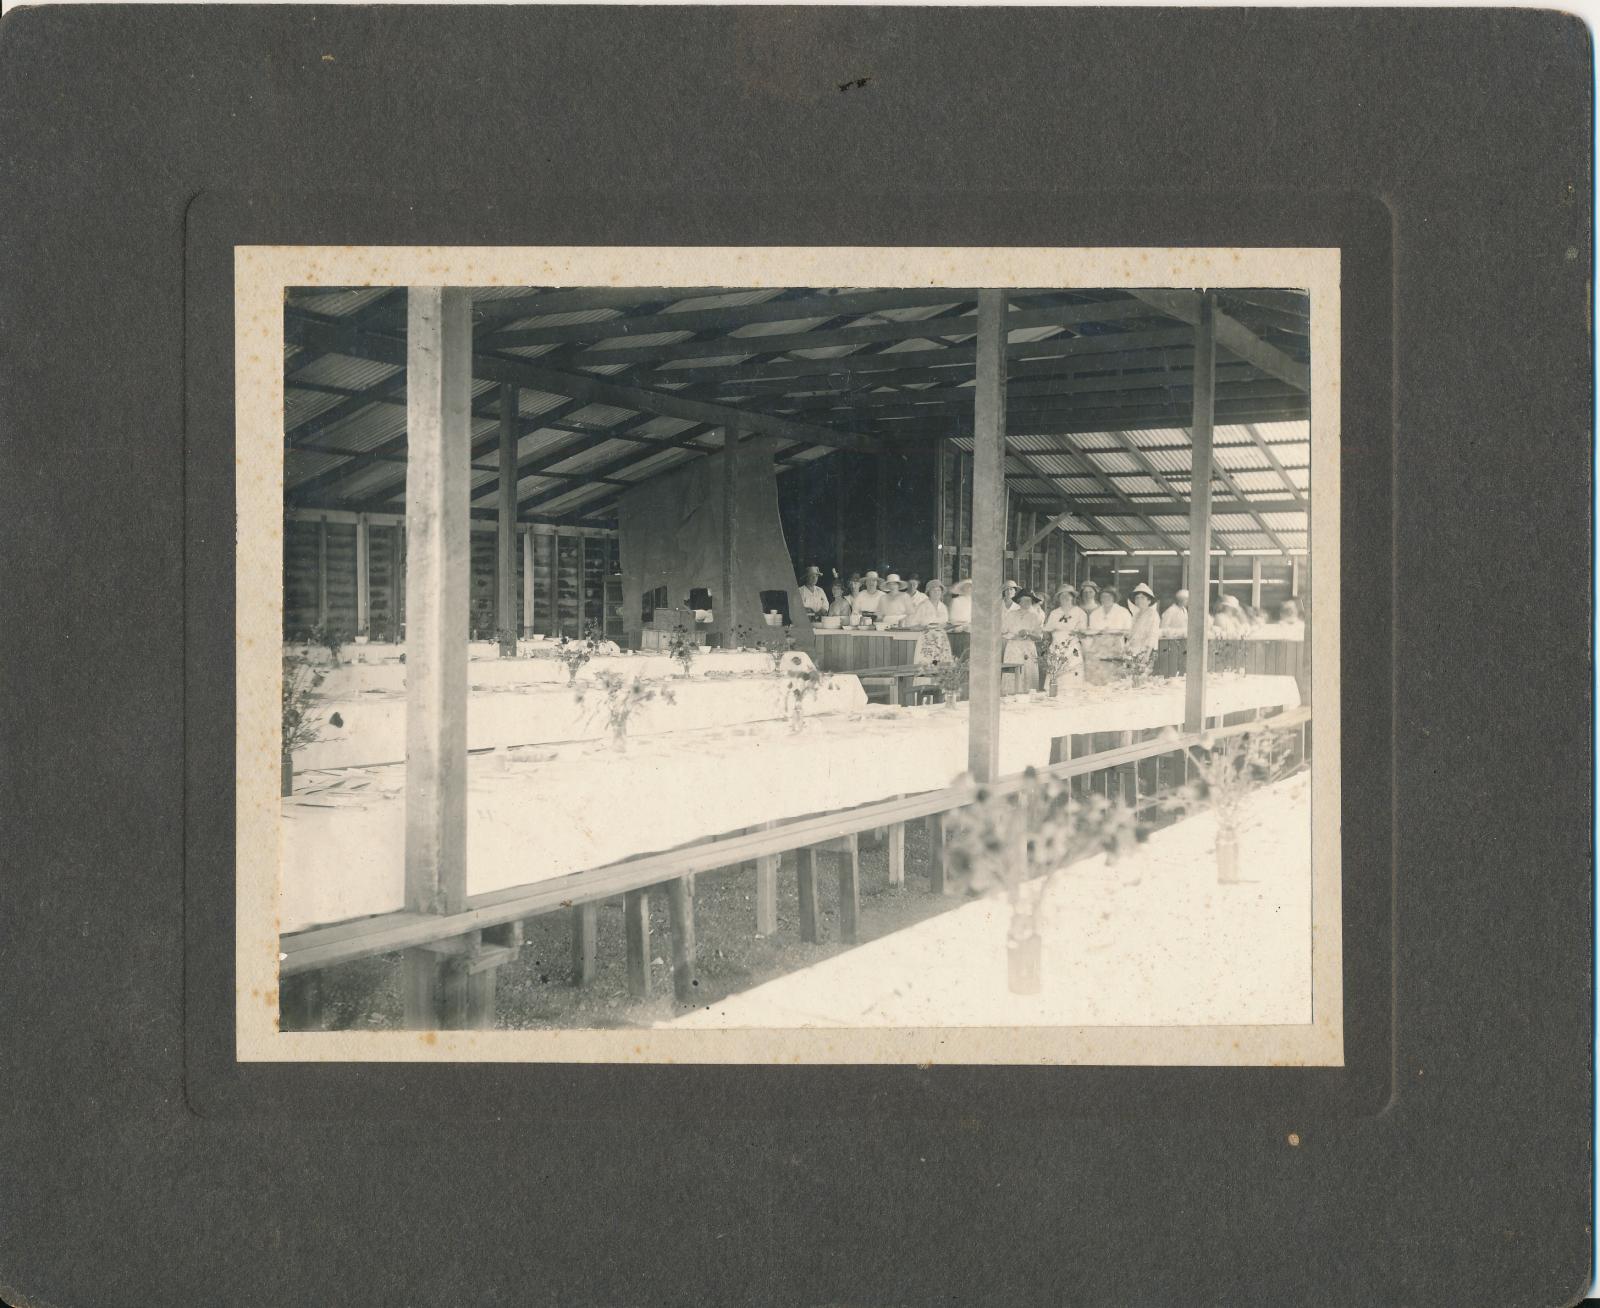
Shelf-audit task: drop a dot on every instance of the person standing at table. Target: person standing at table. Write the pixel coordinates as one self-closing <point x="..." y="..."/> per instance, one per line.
<point x="1289" y="625"/>
<point x="1110" y="617"/>
<point x="932" y="611"/>
<point x="1066" y="617"/>
<point x="1144" y="632"/>
<point x="961" y="603"/>
<point x="841" y="606"/>
<point x="1019" y="627"/>
<point x="896" y="606"/>
<point x="1088" y="597"/>
<point x="813" y="599"/>
<point x="1008" y="596"/>
<point x="869" y="599"/>
<point x="1175" y="621"/>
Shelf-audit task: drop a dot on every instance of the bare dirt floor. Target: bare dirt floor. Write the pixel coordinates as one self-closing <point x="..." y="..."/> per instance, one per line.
<point x="537" y="992"/>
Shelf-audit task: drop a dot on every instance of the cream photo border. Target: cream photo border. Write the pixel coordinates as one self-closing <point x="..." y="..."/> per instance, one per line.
<point x="262" y="274"/>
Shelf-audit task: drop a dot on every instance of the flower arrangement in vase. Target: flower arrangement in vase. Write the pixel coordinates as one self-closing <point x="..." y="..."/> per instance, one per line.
<point x="683" y="646"/>
<point x="802" y="687"/>
<point x="620" y="696"/>
<point x="1231" y="768"/>
<point x="331" y="638"/>
<point x="1019" y="843"/>
<point x="574" y="654"/>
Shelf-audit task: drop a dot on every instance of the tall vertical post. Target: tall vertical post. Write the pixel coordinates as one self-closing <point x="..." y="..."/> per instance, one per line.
<point x="725" y="604"/>
<point x="506" y="557"/>
<point x="527" y="582"/>
<point x="322" y="572"/>
<point x="439" y="455"/>
<point x="1205" y="387"/>
<point x="363" y="578"/>
<point x="988" y="536"/>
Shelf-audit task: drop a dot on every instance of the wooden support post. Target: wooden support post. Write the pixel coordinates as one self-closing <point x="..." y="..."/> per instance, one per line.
<point x="508" y="935"/>
<point x="636" y="925"/>
<point x="419" y="990"/>
<point x="322" y="572"/>
<point x="680" y="903"/>
<point x="363" y="578"/>
<point x="897" y="854"/>
<point x="850" y="890"/>
<point x="725" y="604"/>
<point x="506" y="525"/>
<point x="1205" y="359"/>
<point x="397" y="584"/>
<point x="936" y="871"/>
<point x="585" y="933"/>
<point x="300" y="1003"/>
<point x="767" y="893"/>
<point x="806" y="878"/>
<point x="988" y="536"/>
<point x="439" y="435"/>
<point x="527" y="582"/>
<point x="1130" y="776"/>
<point x="555" y="583"/>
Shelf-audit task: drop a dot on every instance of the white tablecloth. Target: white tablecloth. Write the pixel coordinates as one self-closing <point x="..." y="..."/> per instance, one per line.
<point x="384" y="671"/>
<point x="563" y="809"/>
<point x="373" y="726"/>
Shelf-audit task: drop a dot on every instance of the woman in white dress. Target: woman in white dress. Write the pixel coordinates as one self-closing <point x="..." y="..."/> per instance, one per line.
<point x="1018" y="626"/>
<point x="1109" y="625"/>
<point x="931" y="609"/>
<point x="1066" y="624"/>
<point x="1144" y="633"/>
<point x="961" y="603"/>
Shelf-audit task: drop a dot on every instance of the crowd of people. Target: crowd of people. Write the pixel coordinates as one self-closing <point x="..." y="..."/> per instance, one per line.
<point x="888" y="599"/>
<point x="1088" y="620"/>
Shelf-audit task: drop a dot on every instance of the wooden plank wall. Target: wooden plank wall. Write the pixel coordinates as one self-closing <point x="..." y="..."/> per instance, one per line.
<point x="1051" y="560"/>
<point x="304" y="540"/>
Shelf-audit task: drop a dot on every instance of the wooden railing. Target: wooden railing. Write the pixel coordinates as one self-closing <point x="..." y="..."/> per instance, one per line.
<point x="489" y="932"/>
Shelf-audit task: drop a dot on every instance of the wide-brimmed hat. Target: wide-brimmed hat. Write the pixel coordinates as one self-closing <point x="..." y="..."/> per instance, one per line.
<point x="893" y="579"/>
<point x="962" y="587"/>
<point x="935" y="581"/>
<point x="1142" y="589"/>
<point x="1231" y="601"/>
<point x="1066" y="588"/>
<point x="1089" y="585"/>
<point x="812" y="569"/>
<point x="1010" y="585"/>
<point x="1028" y="594"/>
<point x="869" y="576"/>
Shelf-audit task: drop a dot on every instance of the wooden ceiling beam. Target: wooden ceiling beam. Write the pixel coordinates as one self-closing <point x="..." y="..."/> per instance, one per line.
<point x="816" y="338"/>
<point x="332" y="337"/>
<point x="1233" y="336"/>
<point x="1131" y="418"/>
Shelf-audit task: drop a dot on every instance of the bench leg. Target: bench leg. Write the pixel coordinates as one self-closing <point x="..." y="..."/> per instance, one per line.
<point x="767" y="895"/>
<point x="850" y="891"/>
<point x="680" y="901"/>
<point x="300" y="1003"/>
<point x="636" y="915"/>
<point x="420" y="988"/>
<point x="585" y="933"/>
<point x="806" y="877"/>
<point x="897" y="854"/>
<point x="936" y="879"/>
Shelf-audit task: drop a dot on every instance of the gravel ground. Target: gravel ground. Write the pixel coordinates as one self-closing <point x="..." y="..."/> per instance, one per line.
<point x="537" y="992"/>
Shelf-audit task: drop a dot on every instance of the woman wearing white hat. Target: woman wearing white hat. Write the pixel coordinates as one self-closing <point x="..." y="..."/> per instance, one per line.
<point x="1144" y="634"/>
<point x="1008" y="596"/>
<point x="961" y="603"/>
<point x="1108" y="635"/>
<point x="896" y="606"/>
<point x="869" y="599"/>
<point x="1066" y="618"/>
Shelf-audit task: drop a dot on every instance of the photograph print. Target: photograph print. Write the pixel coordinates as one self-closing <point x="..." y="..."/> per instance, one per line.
<point x="775" y="655"/>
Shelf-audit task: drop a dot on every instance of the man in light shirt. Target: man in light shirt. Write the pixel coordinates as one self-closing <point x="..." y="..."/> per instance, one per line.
<point x="813" y="599"/>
